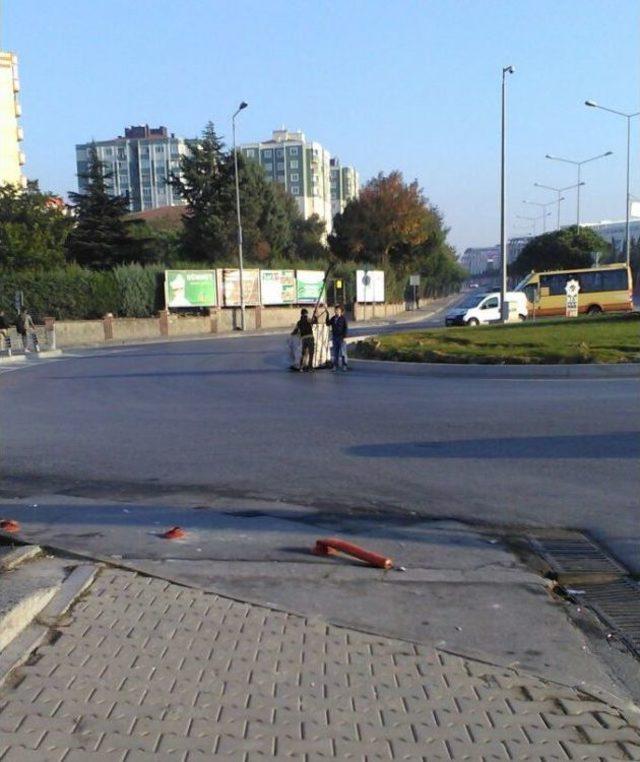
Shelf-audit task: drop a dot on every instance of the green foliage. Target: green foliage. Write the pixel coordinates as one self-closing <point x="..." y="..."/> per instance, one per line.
<point x="271" y="224"/>
<point x="137" y="291"/>
<point x="392" y="226"/>
<point x="566" y="249"/>
<point x="101" y="237"/>
<point x="33" y="229"/>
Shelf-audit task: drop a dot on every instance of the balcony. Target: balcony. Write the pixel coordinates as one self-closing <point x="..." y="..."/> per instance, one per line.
<point x="18" y="109"/>
<point x="19" y="134"/>
<point x="16" y="85"/>
<point x="22" y="159"/>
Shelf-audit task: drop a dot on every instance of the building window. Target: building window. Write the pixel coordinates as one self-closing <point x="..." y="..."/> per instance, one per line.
<point x="293" y="164"/>
<point x="294" y="151"/>
<point x="295" y="190"/>
<point x="268" y="166"/>
<point x="267" y="152"/>
<point x="295" y="177"/>
<point x="280" y="166"/>
<point x="251" y="153"/>
<point x="280" y="152"/>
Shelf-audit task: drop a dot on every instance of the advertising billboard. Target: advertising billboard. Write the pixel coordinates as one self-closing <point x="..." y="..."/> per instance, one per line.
<point x="278" y="286"/>
<point x="190" y="288"/>
<point x="231" y="287"/>
<point x="370" y="285"/>
<point x="308" y="286"/>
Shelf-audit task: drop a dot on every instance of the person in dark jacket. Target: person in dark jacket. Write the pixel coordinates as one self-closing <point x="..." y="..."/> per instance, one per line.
<point x="338" y="324"/>
<point x="304" y="329"/>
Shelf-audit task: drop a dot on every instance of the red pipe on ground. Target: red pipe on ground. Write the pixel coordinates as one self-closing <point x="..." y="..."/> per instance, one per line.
<point x="331" y="546"/>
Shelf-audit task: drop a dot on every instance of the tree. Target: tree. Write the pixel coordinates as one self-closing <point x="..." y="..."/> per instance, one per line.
<point x="567" y="249"/>
<point x="101" y="237"/>
<point x="308" y="238"/>
<point x="391" y="225"/>
<point x="33" y="228"/>
<point x="207" y="183"/>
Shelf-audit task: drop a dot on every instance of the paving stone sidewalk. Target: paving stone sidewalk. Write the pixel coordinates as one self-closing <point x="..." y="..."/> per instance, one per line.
<point x="142" y="669"/>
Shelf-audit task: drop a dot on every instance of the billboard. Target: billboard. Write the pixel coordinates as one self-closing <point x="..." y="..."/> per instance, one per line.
<point x="309" y="286"/>
<point x="190" y="288"/>
<point x="370" y="285"/>
<point x="231" y="287"/>
<point x="278" y="286"/>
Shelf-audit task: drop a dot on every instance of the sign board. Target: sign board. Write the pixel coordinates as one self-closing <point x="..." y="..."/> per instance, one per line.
<point x="370" y="285"/>
<point x="414" y="280"/>
<point x="190" y="288"/>
<point x="572" y="289"/>
<point x="309" y="286"/>
<point x="231" y="287"/>
<point x="278" y="286"/>
<point x="635" y="208"/>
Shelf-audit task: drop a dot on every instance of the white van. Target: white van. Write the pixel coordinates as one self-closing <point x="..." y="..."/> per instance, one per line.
<point x="485" y="308"/>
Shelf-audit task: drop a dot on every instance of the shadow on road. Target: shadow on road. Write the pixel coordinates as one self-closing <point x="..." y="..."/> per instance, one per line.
<point x="621" y="444"/>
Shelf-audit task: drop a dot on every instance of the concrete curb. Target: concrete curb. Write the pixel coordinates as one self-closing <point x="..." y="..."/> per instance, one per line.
<point x="13" y="359"/>
<point x="20" y="648"/>
<point x="45" y="354"/>
<point x="453" y="370"/>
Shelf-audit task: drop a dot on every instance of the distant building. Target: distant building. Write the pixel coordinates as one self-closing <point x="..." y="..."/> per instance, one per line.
<point x="304" y="168"/>
<point x="515" y="246"/>
<point x="479" y="260"/>
<point x="614" y="233"/>
<point x="140" y="164"/>
<point x="11" y="156"/>
<point x="345" y="185"/>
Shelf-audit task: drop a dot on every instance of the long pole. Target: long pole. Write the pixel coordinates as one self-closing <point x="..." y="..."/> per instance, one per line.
<point x="626" y="234"/>
<point x="559" y="201"/>
<point x="503" y="232"/>
<point x="240" y="260"/>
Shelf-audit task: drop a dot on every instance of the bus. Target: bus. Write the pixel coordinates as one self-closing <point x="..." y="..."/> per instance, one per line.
<point x="607" y="288"/>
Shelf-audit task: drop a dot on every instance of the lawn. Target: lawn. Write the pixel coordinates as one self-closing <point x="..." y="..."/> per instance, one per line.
<point x="605" y="339"/>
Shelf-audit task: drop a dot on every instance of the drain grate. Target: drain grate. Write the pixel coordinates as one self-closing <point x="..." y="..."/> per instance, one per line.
<point x="576" y="556"/>
<point x="618" y="604"/>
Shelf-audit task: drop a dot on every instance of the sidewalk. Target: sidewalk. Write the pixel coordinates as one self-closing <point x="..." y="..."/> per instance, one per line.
<point x="142" y="669"/>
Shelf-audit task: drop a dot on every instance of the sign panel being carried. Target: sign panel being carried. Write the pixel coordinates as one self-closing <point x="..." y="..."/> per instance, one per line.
<point x="278" y="286"/>
<point x="190" y="288"/>
<point x="309" y="286"/>
<point x="231" y="287"/>
<point x="370" y="285"/>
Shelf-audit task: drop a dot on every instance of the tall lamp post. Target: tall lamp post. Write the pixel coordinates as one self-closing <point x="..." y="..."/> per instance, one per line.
<point x="242" y="105"/>
<point x="545" y="214"/>
<point x="559" y="191"/>
<point x="579" y="165"/>
<point x="533" y="221"/>
<point x="504" y="307"/>
<point x="628" y="117"/>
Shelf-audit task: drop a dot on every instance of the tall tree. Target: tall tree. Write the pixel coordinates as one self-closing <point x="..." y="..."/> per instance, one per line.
<point x="566" y="249"/>
<point x="100" y="238"/>
<point x="205" y="182"/>
<point x="33" y="228"/>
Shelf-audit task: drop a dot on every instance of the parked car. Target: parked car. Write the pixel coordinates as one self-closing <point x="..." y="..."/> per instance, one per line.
<point x="485" y="308"/>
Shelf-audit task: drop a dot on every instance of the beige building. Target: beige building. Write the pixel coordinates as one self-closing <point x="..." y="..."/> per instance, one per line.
<point x="11" y="156"/>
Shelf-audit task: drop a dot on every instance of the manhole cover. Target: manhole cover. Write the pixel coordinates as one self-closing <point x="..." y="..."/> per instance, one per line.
<point x="576" y="556"/>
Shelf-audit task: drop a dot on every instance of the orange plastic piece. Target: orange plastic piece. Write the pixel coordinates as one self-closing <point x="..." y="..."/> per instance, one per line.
<point x="331" y="546"/>
<point x="175" y="533"/>
<point x="9" y="525"/>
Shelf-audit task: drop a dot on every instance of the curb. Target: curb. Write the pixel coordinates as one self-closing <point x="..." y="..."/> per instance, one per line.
<point x="18" y="650"/>
<point x="458" y="370"/>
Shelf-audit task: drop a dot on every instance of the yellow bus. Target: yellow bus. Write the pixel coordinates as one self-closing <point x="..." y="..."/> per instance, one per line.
<point x="607" y="288"/>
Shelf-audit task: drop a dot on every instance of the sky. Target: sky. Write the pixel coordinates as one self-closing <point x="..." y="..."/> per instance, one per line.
<point x="412" y="85"/>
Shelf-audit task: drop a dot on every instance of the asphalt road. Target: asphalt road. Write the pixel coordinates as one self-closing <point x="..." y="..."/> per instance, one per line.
<point x="223" y="417"/>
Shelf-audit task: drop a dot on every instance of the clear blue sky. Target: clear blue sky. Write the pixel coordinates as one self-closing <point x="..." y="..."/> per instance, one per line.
<point x="412" y="85"/>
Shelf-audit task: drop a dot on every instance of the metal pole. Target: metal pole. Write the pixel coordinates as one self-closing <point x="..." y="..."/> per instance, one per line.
<point x="240" y="262"/>
<point x="627" y="238"/>
<point x="559" y="200"/>
<point x="578" y="197"/>
<point x="503" y="237"/>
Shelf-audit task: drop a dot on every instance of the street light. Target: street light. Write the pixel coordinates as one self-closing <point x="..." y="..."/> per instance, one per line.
<point x="504" y="307"/>
<point x="628" y="117"/>
<point x="559" y="191"/>
<point x="534" y="220"/>
<point x="579" y="165"/>
<point x="242" y="105"/>
<point x="544" y="210"/>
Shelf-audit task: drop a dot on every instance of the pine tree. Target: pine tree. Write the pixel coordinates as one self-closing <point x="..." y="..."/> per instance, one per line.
<point x="205" y="182"/>
<point x="100" y="238"/>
